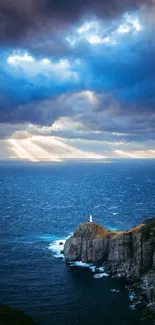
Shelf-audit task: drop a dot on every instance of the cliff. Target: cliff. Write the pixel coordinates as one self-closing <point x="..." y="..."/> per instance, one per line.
<point x="129" y="254"/>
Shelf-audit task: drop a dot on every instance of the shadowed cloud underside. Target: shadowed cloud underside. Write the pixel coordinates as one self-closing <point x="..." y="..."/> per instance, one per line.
<point x="77" y="81"/>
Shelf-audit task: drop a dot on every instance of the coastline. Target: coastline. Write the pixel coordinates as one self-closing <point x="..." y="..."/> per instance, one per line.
<point x="128" y="255"/>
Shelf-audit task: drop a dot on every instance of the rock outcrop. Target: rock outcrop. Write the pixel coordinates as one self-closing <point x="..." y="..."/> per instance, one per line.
<point x="129" y="254"/>
<point x="88" y="243"/>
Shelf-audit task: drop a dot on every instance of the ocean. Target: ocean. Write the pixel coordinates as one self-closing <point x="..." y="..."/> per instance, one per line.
<point x="40" y="206"/>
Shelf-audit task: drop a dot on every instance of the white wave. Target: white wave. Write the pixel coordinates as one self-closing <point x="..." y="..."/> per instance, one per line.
<point x="132" y="296"/>
<point x="115" y="213"/>
<point x="57" y="246"/>
<point x="113" y="207"/>
<point x="82" y="264"/>
<point x="132" y="306"/>
<point x="93" y="268"/>
<point x="100" y="269"/>
<point x="115" y="290"/>
<point x="100" y="275"/>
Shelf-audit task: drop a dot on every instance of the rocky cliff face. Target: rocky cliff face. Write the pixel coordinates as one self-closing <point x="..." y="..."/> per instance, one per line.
<point x="88" y="243"/>
<point x="129" y="254"/>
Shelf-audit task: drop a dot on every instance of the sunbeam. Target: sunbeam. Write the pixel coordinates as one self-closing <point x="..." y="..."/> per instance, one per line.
<point x="22" y="153"/>
<point x="40" y="148"/>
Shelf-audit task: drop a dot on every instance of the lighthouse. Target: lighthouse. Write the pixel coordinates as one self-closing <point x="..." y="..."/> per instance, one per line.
<point x="91" y="218"/>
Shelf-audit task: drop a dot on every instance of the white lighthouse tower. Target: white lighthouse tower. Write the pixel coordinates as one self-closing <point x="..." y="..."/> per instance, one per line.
<point x="91" y="218"/>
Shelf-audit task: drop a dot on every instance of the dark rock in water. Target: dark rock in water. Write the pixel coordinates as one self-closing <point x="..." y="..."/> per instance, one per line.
<point x="61" y="243"/>
<point x="148" y="317"/>
<point x="140" y="305"/>
<point x="151" y="306"/>
<point x="129" y="254"/>
<point x="9" y="316"/>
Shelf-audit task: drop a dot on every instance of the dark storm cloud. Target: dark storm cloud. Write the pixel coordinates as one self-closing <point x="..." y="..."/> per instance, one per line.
<point x="121" y="77"/>
<point x="123" y="107"/>
<point x="22" y="20"/>
<point x="124" y="73"/>
<point x="6" y="130"/>
<point x="31" y="98"/>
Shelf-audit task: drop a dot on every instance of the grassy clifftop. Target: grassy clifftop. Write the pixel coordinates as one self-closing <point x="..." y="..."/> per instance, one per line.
<point x="91" y="230"/>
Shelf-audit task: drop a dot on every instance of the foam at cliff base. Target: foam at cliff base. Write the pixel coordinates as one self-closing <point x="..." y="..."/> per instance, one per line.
<point x="115" y="290"/>
<point x="132" y="306"/>
<point x="132" y="296"/>
<point x="82" y="264"/>
<point x="91" y="266"/>
<point x="100" y="275"/>
<point x="57" y="246"/>
<point x="99" y="271"/>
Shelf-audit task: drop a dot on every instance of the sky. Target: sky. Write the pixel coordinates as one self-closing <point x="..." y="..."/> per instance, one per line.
<point x="77" y="79"/>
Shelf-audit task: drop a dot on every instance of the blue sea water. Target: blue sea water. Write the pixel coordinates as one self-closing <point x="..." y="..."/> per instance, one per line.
<point x="41" y="204"/>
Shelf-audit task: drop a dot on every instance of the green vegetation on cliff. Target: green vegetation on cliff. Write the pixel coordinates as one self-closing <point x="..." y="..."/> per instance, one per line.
<point x="10" y="316"/>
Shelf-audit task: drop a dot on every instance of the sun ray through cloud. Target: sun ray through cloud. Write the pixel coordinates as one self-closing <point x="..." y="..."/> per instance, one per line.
<point x="41" y="148"/>
<point x="85" y="77"/>
<point x="21" y="151"/>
